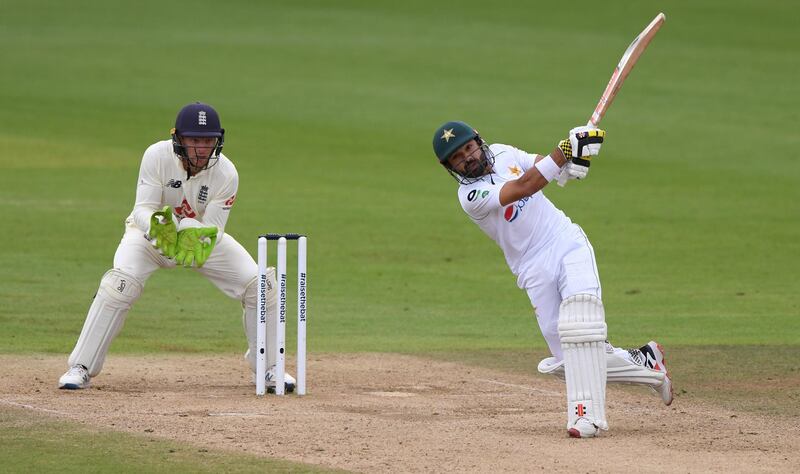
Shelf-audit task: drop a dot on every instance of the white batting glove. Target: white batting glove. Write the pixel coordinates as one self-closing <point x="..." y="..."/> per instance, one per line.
<point x="575" y="171"/>
<point x="583" y="143"/>
<point x="586" y="141"/>
<point x="572" y="171"/>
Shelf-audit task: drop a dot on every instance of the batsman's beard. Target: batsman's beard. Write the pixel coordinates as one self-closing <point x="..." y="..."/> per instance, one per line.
<point x="477" y="168"/>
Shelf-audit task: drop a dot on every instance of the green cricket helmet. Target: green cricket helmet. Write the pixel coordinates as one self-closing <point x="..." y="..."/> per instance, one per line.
<point x="453" y="135"/>
<point x="450" y="137"/>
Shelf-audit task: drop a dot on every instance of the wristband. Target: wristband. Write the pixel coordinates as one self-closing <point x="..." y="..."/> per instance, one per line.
<point x="548" y="168"/>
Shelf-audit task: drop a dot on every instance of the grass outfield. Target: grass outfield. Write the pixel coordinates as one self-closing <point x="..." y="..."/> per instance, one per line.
<point x="329" y="110"/>
<point x="41" y="445"/>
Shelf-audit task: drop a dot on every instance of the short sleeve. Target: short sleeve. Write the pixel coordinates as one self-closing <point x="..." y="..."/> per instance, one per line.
<point x="480" y="199"/>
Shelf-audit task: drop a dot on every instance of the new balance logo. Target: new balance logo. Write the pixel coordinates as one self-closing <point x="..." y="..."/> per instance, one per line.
<point x="174" y="183"/>
<point x="201" y="118"/>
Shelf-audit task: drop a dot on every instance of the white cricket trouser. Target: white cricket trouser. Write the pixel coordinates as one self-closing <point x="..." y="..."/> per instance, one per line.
<point x="565" y="269"/>
<point x="229" y="267"/>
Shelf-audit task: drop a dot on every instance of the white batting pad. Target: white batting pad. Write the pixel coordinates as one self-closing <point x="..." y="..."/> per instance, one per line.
<point x="250" y="318"/>
<point x="117" y="293"/>
<point x="582" y="330"/>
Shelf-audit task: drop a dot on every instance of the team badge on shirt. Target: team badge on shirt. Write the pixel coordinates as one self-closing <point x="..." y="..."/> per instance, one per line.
<point x="202" y="196"/>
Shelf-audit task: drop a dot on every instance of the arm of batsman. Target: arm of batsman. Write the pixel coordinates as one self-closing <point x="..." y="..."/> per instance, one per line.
<point x="163" y="232"/>
<point x="195" y="245"/>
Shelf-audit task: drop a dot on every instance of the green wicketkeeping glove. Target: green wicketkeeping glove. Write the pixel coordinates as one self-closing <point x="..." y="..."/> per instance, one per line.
<point x="195" y="245"/>
<point x="163" y="230"/>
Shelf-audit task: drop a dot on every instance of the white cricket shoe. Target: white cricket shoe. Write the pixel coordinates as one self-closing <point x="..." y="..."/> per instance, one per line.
<point x="583" y="428"/>
<point x="654" y="360"/>
<point x="75" y="378"/>
<point x="288" y="381"/>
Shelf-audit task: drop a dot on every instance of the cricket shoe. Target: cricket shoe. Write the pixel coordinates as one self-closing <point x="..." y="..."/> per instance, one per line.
<point x="77" y="377"/>
<point x="654" y="360"/>
<point x="583" y="428"/>
<point x="288" y="381"/>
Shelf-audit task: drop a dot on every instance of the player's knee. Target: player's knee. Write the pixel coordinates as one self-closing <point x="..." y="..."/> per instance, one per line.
<point x="251" y="293"/>
<point x="121" y="287"/>
<point x="581" y="318"/>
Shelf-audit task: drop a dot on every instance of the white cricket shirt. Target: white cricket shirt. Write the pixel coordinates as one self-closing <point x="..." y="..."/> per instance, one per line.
<point x="521" y="229"/>
<point x="206" y="197"/>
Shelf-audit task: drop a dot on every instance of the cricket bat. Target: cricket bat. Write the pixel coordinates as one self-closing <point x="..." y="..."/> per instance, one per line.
<point x="624" y="67"/>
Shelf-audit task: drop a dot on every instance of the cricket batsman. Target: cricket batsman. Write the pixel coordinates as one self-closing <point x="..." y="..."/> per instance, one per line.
<point x="501" y="191"/>
<point x="184" y="195"/>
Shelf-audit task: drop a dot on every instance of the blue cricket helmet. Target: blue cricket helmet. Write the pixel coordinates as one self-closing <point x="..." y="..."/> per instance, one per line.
<point x="197" y="120"/>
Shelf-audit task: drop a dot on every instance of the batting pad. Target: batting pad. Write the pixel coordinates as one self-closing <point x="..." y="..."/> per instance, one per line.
<point x="582" y="330"/>
<point x="117" y="293"/>
<point x="250" y="318"/>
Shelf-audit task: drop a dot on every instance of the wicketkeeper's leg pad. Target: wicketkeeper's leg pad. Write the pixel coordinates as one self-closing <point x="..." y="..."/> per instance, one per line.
<point x="582" y="330"/>
<point x="115" y="296"/>
<point x="250" y="318"/>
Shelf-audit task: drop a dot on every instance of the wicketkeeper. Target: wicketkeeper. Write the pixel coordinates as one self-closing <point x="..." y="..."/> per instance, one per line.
<point x="184" y="195"/>
<point x="500" y="190"/>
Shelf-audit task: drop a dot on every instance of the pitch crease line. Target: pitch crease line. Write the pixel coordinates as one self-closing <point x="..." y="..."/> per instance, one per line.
<point x="31" y="407"/>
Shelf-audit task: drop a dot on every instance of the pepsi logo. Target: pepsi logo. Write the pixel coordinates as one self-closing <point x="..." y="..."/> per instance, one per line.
<point x="513" y="211"/>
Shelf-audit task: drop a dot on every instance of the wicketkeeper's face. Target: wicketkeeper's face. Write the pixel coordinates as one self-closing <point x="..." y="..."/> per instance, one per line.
<point x="199" y="149"/>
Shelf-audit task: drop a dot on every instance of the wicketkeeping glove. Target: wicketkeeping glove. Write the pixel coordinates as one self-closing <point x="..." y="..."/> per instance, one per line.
<point x="163" y="233"/>
<point x="195" y="245"/>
